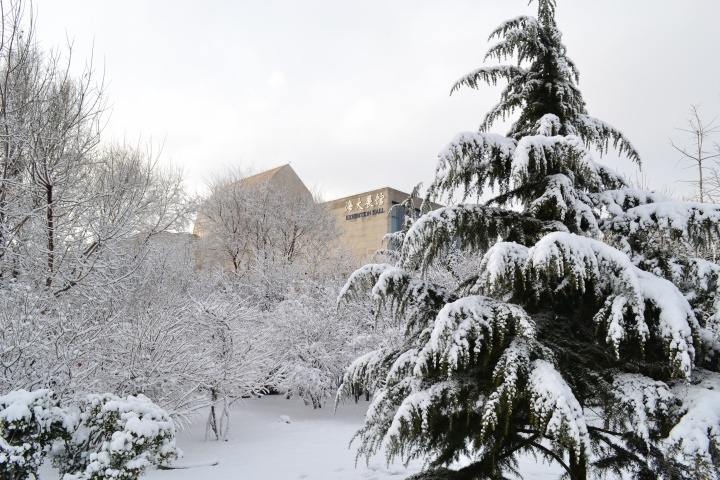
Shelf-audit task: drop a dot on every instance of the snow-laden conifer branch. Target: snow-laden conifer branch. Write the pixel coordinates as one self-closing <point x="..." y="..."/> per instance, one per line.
<point x="600" y="134"/>
<point x="562" y="201"/>
<point x="478" y="227"/>
<point x="369" y="370"/>
<point x="489" y="75"/>
<point x="567" y="263"/>
<point x="546" y="12"/>
<point x="380" y="415"/>
<point x="695" y="439"/>
<point x="472" y="161"/>
<point x="550" y="175"/>
<point x="510" y="376"/>
<point x="617" y="201"/>
<point x="519" y="38"/>
<point x="415" y="414"/>
<point x="406" y="404"/>
<point x="538" y="156"/>
<point x="700" y="280"/>
<point x="640" y="405"/>
<point x="555" y="410"/>
<point x="468" y="330"/>
<point x="502" y="269"/>
<point x="361" y="280"/>
<point x="672" y="220"/>
<point x="396" y="289"/>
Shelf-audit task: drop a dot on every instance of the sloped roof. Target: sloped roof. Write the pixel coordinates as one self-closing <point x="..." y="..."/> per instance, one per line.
<point x="267" y="175"/>
<point x="283" y="176"/>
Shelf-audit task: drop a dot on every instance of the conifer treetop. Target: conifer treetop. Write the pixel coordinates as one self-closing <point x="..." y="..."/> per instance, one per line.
<point x="543" y="81"/>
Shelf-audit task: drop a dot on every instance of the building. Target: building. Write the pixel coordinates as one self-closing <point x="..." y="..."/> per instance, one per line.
<point x="281" y="179"/>
<point x="262" y="216"/>
<point x="365" y="218"/>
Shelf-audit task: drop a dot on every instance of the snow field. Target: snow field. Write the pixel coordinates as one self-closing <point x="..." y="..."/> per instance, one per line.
<point x="313" y="446"/>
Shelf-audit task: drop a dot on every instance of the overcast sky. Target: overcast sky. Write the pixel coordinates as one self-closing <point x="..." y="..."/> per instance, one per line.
<point x="355" y="95"/>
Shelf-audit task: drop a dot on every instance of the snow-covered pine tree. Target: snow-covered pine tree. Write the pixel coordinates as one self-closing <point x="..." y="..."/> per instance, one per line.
<point x="588" y="337"/>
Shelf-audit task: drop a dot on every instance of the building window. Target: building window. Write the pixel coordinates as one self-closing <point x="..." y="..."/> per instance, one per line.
<point x="397" y="218"/>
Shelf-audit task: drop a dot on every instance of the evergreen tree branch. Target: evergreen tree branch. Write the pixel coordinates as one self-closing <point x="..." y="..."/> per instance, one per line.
<point x="552" y="454"/>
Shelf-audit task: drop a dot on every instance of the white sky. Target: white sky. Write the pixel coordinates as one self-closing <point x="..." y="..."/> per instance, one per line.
<point x="355" y="94"/>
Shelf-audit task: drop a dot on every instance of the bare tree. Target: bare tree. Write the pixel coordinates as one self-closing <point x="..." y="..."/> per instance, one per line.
<point x="69" y="206"/>
<point x="51" y="123"/>
<point x="127" y="198"/>
<point x="699" y="156"/>
<point x="251" y="220"/>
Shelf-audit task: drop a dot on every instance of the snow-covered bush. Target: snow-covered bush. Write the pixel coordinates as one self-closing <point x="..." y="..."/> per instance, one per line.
<point x="116" y="438"/>
<point x="319" y="341"/>
<point x="588" y="335"/>
<point x="29" y="423"/>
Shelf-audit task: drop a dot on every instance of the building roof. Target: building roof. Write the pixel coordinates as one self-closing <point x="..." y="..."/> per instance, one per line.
<point x="267" y="175"/>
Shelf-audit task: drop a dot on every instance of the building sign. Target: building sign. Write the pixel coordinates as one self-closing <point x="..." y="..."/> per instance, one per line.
<point x="366" y="213"/>
<point x="365" y="206"/>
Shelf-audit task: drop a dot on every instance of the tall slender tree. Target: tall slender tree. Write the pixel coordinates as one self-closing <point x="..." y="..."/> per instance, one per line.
<point x="587" y="337"/>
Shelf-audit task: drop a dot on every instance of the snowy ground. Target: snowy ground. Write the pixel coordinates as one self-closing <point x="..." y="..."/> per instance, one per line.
<point x="313" y="446"/>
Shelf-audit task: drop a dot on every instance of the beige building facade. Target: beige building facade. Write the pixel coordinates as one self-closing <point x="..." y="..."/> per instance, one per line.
<point x="365" y="218"/>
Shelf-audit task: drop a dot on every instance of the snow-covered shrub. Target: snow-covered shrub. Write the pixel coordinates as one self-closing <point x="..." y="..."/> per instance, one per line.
<point x="319" y="341"/>
<point x="116" y="438"/>
<point x="29" y="422"/>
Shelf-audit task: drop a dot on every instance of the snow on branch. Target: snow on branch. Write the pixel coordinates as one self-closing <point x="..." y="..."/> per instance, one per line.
<point x="555" y="409"/>
<point x="618" y="201"/>
<point x="478" y="226"/>
<point x="568" y="263"/>
<point x="538" y="156"/>
<point x="549" y="125"/>
<point x="701" y="280"/>
<point x="695" y="439"/>
<point x="381" y="415"/>
<point x="690" y="221"/>
<point x="413" y="413"/>
<point x="469" y="328"/>
<point x="520" y="40"/>
<point x="488" y="75"/>
<point x="521" y="21"/>
<point x="368" y="370"/>
<point x="29" y="422"/>
<point x="600" y="134"/>
<point x="641" y="404"/>
<point x="361" y="280"/>
<point x="395" y="288"/>
<point x="471" y="160"/>
<point x="561" y="200"/>
<point x="510" y="372"/>
<point x="501" y="266"/>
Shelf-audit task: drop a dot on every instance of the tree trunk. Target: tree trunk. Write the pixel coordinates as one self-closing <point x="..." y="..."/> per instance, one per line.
<point x="212" y="417"/>
<point x="578" y="467"/>
<point x="50" y="227"/>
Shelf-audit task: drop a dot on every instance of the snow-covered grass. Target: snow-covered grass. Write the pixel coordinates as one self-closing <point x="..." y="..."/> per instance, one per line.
<point x="313" y="446"/>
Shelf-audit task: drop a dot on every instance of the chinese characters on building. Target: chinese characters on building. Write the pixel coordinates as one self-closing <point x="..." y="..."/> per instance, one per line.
<point x="366" y="203"/>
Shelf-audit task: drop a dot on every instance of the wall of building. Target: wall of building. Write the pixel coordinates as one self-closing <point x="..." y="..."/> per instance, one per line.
<point x="365" y="218"/>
